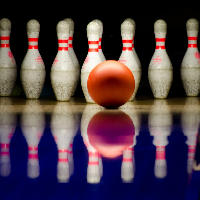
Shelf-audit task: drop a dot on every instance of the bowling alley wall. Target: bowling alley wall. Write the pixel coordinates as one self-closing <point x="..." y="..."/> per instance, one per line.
<point x="112" y="16"/>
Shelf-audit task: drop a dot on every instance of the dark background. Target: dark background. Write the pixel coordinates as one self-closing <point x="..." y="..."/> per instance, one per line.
<point x="112" y="15"/>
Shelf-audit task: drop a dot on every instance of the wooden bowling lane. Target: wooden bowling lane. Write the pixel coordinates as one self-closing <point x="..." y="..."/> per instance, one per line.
<point x="142" y="104"/>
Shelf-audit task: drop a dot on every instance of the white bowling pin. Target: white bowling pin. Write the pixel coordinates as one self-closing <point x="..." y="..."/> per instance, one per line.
<point x="8" y="121"/>
<point x="100" y="39"/>
<point x="95" y="170"/>
<point x="63" y="130"/>
<point x="32" y="69"/>
<point x="190" y="118"/>
<point x="190" y="66"/>
<point x="8" y="67"/>
<point x="160" y="72"/>
<point x="133" y="47"/>
<point x="160" y="122"/>
<point x="93" y="58"/>
<point x="127" y="57"/>
<point x="63" y="72"/>
<point x="71" y="52"/>
<point x="32" y="125"/>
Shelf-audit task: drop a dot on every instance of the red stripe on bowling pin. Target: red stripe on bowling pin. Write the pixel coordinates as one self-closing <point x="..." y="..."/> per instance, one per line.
<point x="5" y="45"/>
<point x="160" y="39"/>
<point x="192" y="45"/>
<point x="32" y="156"/>
<point x="62" y="150"/>
<point x="160" y="153"/>
<point x="62" y="41"/>
<point x="93" y="163"/>
<point x="93" y="42"/>
<point x="127" y="49"/>
<point x="33" y="39"/>
<point x="32" y="148"/>
<point x="5" y="146"/>
<point x="93" y="154"/>
<point x="127" y="41"/>
<point x="63" y="160"/>
<point x="160" y="47"/>
<point x="5" y="153"/>
<point x="127" y="160"/>
<point x="62" y="48"/>
<point x="192" y="38"/>
<point x="32" y="46"/>
<point x="5" y="38"/>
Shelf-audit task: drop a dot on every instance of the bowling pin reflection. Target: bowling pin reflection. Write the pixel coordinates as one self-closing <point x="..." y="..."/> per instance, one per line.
<point x="128" y="162"/>
<point x="32" y="125"/>
<point x="160" y="123"/>
<point x="190" y="118"/>
<point x="64" y="128"/>
<point x="95" y="167"/>
<point x="8" y="122"/>
<point x="109" y="133"/>
<point x="196" y="166"/>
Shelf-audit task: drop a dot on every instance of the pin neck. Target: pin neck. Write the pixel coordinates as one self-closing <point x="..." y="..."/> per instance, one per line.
<point x="93" y="158"/>
<point x="70" y="45"/>
<point x="62" y="45"/>
<point x="191" y="151"/>
<point x="127" y="45"/>
<point x="160" y="43"/>
<point x="93" y="46"/>
<point x="62" y="155"/>
<point x="192" y="42"/>
<point x="32" y="43"/>
<point x="33" y="156"/>
<point x="5" y="41"/>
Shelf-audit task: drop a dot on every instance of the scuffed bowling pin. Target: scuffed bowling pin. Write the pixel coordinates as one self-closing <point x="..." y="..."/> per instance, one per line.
<point x="133" y="47"/>
<point x="93" y="58"/>
<point x="190" y="66"/>
<point x="63" y="129"/>
<point x="63" y="72"/>
<point x="127" y="57"/>
<point x="32" y="125"/>
<point x="33" y="70"/>
<point x="8" y="67"/>
<point x="160" y="72"/>
<point x="71" y="52"/>
<point x="160" y="122"/>
<point x="100" y="39"/>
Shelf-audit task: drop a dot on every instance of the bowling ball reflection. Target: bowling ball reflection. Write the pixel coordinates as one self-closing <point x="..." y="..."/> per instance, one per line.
<point x="111" y="132"/>
<point x="111" y="84"/>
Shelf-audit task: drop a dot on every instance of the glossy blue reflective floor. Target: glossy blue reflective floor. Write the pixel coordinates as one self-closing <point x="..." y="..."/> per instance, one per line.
<point x="146" y="149"/>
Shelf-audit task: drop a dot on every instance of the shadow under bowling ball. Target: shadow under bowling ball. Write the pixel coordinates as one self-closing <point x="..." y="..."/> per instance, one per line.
<point x="111" y="84"/>
<point x="111" y="132"/>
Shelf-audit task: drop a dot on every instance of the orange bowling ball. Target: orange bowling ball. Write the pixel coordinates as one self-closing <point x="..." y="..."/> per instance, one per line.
<point x="110" y="133"/>
<point x="111" y="84"/>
